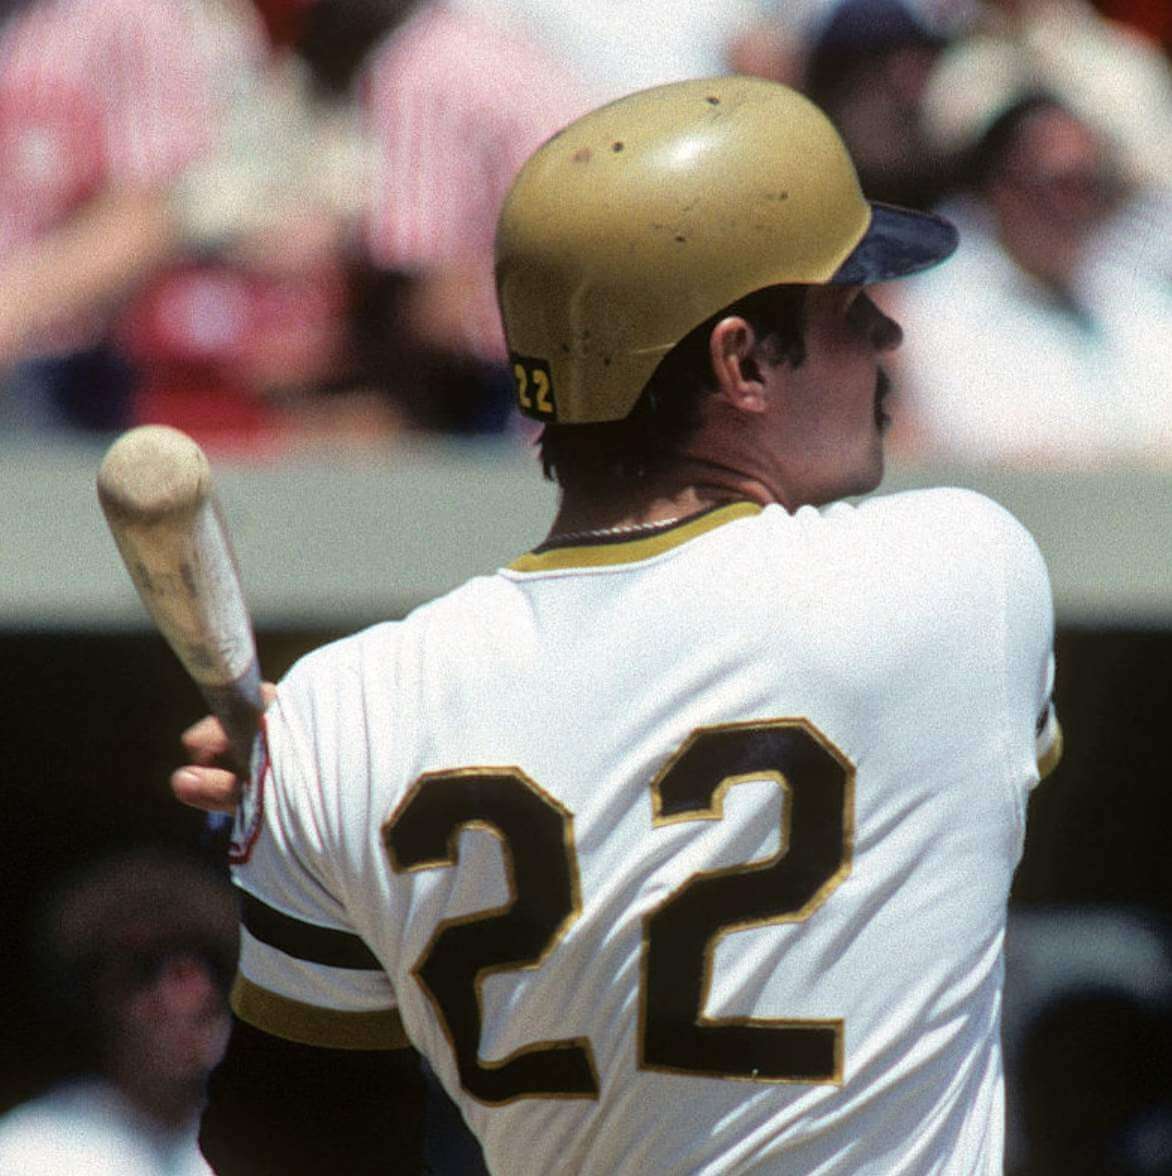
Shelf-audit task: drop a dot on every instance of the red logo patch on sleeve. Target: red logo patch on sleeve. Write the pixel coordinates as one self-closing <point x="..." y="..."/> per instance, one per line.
<point x="249" y="818"/>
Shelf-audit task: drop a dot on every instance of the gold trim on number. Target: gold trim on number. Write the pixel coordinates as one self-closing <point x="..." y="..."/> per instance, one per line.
<point x="482" y="974"/>
<point x="715" y="812"/>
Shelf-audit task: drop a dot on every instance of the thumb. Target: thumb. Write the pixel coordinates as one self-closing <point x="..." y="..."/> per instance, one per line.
<point x="214" y="790"/>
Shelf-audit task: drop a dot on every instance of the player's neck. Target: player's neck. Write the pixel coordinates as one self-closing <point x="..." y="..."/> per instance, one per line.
<point x="692" y="488"/>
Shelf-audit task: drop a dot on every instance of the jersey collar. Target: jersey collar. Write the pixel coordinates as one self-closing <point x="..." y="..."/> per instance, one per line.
<point x="616" y="549"/>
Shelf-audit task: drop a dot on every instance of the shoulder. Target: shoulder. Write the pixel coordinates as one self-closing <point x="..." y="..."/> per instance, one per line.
<point x="941" y="516"/>
<point x="440" y="622"/>
<point x="323" y="669"/>
<point x="948" y="535"/>
<point x="971" y="548"/>
<point x="948" y="514"/>
<point x="941" y="502"/>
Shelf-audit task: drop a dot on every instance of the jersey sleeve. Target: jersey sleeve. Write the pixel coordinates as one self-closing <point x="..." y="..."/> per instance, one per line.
<point x="304" y="975"/>
<point x="1033" y="731"/>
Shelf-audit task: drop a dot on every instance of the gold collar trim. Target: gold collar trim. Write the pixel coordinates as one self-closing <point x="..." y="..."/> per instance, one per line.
<point x="608" y="552"/>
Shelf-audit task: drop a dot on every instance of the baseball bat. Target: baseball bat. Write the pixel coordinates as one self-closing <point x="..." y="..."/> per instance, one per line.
<point x="155" y="487"/>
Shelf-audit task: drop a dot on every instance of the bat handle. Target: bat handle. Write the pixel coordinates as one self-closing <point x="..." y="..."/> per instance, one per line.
<point x="238" y="705"/>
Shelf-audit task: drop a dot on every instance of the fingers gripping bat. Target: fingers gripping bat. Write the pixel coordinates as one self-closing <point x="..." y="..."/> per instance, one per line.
<point x="155" y="487"/>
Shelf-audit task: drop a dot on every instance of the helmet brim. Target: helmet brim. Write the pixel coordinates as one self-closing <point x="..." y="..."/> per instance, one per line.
<point x="898" y="242"/>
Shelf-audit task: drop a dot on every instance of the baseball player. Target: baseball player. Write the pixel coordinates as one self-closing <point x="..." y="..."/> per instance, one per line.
<point x="683" y="843"/>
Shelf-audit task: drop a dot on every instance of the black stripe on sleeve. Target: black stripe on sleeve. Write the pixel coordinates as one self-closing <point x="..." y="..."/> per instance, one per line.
<point x="303" y="941"/>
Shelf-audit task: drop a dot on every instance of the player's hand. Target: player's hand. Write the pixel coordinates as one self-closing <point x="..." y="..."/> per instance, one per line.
<point x="204" y="782"/>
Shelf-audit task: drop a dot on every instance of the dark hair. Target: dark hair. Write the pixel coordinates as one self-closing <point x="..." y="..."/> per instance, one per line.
<point x="857" y="35"/>
<point x="103" y="928"/>
<point x="337" y="35"/>
<point x="986" y="158"/>
<point x="667" y="413"/>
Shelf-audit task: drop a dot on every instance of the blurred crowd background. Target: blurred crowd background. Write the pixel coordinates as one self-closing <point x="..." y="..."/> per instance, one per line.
<point x="269" y="223"/>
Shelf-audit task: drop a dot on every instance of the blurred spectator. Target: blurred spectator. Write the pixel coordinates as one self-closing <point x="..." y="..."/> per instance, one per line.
<point x="776" y="41"/>
<point x="866" y="63"/>
<point x="1153" y="18"/>
<point x="867" y="67"/>
<point x="137" y="953"/>
<point x="1097" y="1088"/>
<point x="1108" y="74"/>
<point x="452" y="106"/>
<point x="103" y="104"/>
<point x="1034" y="347"/>
<point x="616" y="47"/>
<point x="1088" y="1042"/>
<point x="284" y="20"/>
<point x="244" y="342"/>
<point x="172" y="217"/>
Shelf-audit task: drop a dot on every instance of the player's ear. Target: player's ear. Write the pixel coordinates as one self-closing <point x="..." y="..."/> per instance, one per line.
<point x="732" y="349"/>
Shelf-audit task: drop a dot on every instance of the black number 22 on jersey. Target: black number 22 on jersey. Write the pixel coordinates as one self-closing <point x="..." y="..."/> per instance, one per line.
<point x="816" y="828"/>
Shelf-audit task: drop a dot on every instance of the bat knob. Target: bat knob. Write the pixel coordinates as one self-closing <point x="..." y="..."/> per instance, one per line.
<point x="153" y="471"/>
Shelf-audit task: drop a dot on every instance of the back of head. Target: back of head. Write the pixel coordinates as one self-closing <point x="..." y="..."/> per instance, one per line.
<point x="648" y="216"/>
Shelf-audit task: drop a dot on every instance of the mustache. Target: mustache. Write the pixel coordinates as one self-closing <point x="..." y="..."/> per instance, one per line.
<point x="882" y="391"/>
<point x="882" y="386"/>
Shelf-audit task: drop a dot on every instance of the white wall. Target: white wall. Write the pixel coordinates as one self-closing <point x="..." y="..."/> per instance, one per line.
<point x="337" y="544"/>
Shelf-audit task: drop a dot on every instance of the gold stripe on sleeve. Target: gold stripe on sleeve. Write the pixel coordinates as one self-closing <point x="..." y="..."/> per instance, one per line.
<point x="309" y="1025"/>
<point x="1053" y="754"/>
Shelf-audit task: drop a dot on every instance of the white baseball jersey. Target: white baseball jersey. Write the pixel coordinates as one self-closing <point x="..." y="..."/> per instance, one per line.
<point x="687" y="852"/>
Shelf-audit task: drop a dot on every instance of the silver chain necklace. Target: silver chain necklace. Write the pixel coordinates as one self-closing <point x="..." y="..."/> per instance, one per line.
<point x="608" y="532"/>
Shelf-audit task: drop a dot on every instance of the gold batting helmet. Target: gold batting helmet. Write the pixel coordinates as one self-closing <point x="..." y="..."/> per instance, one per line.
<point x="649" y="215"/>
